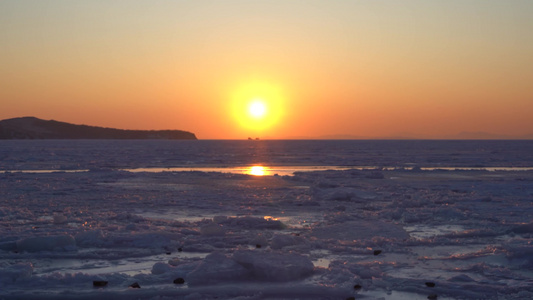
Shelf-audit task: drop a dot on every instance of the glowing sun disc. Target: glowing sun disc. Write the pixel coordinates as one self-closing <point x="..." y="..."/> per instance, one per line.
<point x="257" y="109"/>
<point x="257" y="106"/>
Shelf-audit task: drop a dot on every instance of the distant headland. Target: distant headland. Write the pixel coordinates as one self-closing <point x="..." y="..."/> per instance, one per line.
<point x="35" y="128"/>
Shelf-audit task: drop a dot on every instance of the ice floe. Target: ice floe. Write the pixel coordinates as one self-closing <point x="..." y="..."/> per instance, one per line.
<point x="409" y="232"/>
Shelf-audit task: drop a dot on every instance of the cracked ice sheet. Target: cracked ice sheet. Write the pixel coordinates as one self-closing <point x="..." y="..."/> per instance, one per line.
<point x="466" y="231"/>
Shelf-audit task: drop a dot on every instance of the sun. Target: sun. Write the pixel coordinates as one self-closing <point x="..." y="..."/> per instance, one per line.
<point x="257" y="106"/>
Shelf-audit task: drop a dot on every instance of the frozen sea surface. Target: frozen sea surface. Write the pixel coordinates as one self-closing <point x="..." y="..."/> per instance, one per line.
<point x="397" y="231"/>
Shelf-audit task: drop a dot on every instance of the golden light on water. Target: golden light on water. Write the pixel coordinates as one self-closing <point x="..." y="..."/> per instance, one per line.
<point x="257" y="171"/>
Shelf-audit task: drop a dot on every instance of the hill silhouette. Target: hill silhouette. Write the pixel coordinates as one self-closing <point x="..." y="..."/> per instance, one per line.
<point x="35" y="128"/>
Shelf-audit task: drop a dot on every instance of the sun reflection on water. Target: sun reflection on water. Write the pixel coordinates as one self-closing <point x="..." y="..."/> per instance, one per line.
<point x="257" y="171"/>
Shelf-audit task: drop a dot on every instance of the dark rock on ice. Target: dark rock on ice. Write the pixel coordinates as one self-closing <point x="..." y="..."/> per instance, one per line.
<point x="357" y="287"/>
<point x="430" y="284"/>
<point x="135" y="285"/>
<point x="99" y="283"/>
<point x="350" y="298"/>
<point x="377" y="252"/>
<point x="433" y="297"/>
<point x="258" y="246"/>
<point x="179" y="280"/>
<point x="180" y="249"/>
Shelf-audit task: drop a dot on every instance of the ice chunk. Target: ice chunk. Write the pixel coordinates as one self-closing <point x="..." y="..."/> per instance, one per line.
<point x="216" y="268"/>
<point x="260" y="240"/>
<point x="212" y="229"/>
<point x="8" y="246"/>
<point x="461" y="278"/>
<point x="450" y="214"/>
<point x="131" y="227"/>
<point x="341" y="194"/>
<point x="194" y="296"/>
<point x="360" y="229"/>
<point x="274" y="266"/>
<point x="524" y="295"/>
<point x="284" y="240"/>
<point x="526" y="228"/>
<point x="520" y="253"/>
<point x="346" y="194"/>
<point x="375" y="175"/>
<point x="47" y="243"/>
<point x="160" y="268"/>
<point x="17" y="271"/>
<point x="174" y="261"/>
<point x="254" y="223"/>
<point x="91" y="238"/>
<point x="60" y="219"/>
<point x="153" y="239"/>
<point x="219" y="219"/>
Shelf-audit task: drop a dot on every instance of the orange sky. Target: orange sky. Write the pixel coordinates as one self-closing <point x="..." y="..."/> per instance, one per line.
<point x="363" y="68"/>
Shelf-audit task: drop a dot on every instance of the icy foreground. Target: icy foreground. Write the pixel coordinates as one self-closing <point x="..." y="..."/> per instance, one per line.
<point x="368" y="234"/>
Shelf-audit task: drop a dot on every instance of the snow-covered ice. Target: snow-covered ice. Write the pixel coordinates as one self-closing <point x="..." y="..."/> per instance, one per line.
<point x="391" y="230"/>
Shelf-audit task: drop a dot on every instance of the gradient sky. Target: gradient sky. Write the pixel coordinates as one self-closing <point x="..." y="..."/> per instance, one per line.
<point x="362" y="68"/>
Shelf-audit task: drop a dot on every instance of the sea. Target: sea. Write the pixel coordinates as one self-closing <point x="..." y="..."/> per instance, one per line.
<point x="266" y="219"/>
<point x="25" y="155"/>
